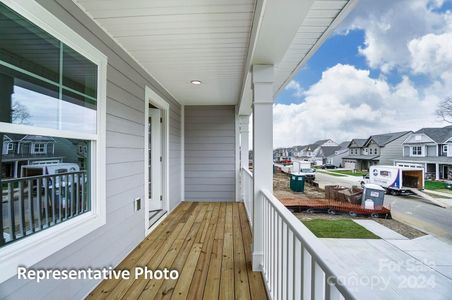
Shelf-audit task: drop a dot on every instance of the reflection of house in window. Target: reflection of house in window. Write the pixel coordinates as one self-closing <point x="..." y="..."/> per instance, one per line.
<point x="20" y="150"/>
<point x="38" y="148"/>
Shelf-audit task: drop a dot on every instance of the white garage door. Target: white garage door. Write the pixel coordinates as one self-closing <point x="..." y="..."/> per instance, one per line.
<point x="350" y="165"/>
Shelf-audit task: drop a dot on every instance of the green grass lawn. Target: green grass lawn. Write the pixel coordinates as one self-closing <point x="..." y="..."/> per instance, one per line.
<point x="330" y="173"/>
<point x="434" y="185"/>
<point x="346" y="229"/>
<point x="350" y="172"/>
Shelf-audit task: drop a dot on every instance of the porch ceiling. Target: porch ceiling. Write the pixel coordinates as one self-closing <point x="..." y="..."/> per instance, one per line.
<point x="178" y="41"/>
<point x="217" y="41"/>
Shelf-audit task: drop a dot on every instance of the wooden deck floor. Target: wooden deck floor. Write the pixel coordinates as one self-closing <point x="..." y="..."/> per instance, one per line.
<point x="208" y="243"/>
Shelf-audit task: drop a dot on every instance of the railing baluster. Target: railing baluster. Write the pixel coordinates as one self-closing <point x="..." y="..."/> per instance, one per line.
<point x="307" y="274"/>
<point x="12" y="216"/>
<point x="53" y="191"/>
<point x="317" y="280"/>
<point x="77" y="196"/>
<point x="21" y="209"/>
<point x="282" y="259"/>
<point x="39" y="199"/>
<point x="72" y="194"/>
<point x="289" y="261"/>
<point x="274" y="254"/>
<point x="296" y="269"/>
<point x="83" y="209"/>
<point x="60" y="198"/>
<point x="30" y="205"/>
<point x="46" y="199"/>
<point x="66" y="196"/>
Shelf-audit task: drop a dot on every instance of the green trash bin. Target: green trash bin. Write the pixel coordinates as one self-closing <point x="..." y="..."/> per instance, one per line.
<point x="297" y="183"/>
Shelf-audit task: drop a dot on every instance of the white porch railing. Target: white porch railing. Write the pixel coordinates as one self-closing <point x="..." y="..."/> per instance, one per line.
<point x="247" y="193"/>
<point x="295" y="261"/>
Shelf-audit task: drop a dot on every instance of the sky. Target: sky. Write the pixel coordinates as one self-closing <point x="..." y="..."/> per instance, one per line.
<point x="385" y="69"/>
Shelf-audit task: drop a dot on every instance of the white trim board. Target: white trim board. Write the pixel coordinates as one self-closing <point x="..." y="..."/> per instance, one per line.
<point x="153" y="98"/>
<point x="34" y="248"/>
<point x="182" y="156"/>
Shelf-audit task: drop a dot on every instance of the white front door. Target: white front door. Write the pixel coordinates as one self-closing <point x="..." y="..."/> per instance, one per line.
<point x="155" y="159"/>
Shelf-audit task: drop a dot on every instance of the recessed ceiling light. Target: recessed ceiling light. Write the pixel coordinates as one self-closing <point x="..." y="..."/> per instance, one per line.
<point x="196" y="82"/>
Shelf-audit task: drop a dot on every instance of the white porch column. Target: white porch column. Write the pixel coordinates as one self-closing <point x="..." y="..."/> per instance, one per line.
<point x="244" y="141"/>
<point x="263" y="151"/>
<point x="437" y="172"/>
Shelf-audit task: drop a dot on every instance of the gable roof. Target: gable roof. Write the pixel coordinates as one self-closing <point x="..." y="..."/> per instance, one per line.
<point x="383" y="139"/>
<point x="344" y="144"/>
<point x="439" y="135"/>
<point x="358" y="142"/>
<point x="327" y="150"/>
<point x="316" y="144"/>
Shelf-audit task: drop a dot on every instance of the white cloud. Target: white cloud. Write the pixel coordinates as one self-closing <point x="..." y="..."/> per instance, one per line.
<point x="432" y="54"/>
<point x="390" y="25"/>
<point x="296" y="88"/>
<point x="410" y="37"/>
<point x="347" y="103"/>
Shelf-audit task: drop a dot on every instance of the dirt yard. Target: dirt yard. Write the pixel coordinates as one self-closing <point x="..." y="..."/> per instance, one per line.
<point x="282" y="190"/>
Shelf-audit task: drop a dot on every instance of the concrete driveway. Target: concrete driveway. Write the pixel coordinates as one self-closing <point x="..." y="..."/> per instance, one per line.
<point x="411" y="210"/>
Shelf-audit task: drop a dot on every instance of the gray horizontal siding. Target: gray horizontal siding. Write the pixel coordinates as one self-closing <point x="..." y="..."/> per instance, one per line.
<point x="392" y="151"/>
<point x="108" y="245"/>
<point x="209" y="153"/>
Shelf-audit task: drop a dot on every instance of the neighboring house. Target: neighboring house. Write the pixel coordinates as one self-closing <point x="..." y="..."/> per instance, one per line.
<point x="324" y="153"/>
<point x="19" y="150"/>
<point x="282" y="153"/>
<point x="310" y="152"/>
<point x="431" y="149"/>
<point x="339" y="153"/>
<point x="296" y="150"/>
<point x="380" y="149"/>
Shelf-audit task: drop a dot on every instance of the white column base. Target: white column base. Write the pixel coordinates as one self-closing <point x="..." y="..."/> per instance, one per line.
<point x="258" y="261"/>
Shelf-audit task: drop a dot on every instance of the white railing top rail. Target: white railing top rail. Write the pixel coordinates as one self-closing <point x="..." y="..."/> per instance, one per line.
<point x="310" y="242"/>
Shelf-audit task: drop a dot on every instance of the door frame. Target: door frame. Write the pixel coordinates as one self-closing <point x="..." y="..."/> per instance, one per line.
<point x="153" y="98"/>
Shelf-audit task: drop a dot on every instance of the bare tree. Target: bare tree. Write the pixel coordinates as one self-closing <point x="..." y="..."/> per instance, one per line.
<point x="20" y="114"/>
<point x="444" y="110"/>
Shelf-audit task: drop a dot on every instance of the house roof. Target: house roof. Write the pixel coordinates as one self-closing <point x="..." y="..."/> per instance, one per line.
<point x="358" y="142"/>
<point x="344" y="144"/>
<point x="439" y="135"/>
<point x="326" y="151"/>
<point x="316" y="144"/>
<point x="383" y="139"/>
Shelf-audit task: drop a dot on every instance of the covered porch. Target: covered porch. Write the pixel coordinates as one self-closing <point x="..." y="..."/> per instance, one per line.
<point x="174" y="133"/>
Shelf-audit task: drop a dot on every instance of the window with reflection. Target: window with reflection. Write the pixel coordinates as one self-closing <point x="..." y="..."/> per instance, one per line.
<point x="44" y="84"/>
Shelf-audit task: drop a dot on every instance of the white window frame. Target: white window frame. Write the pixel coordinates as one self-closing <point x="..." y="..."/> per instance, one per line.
<point x="10" y="147"/>
<point x="40" y="146"/>
<point x="445" y="148"/>
<point x="412" y="150"/>
<point x="40" y="245"/>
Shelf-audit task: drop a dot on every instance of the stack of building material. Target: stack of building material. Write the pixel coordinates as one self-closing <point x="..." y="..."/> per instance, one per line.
<point x="331" y="192"/>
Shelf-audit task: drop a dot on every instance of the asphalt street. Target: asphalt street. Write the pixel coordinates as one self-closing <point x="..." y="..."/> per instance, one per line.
<point x="411" y="210"/>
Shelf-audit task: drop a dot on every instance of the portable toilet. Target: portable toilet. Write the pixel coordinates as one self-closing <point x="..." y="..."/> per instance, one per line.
<point x="297" y="183"/>
<point x="375" y="194"/>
